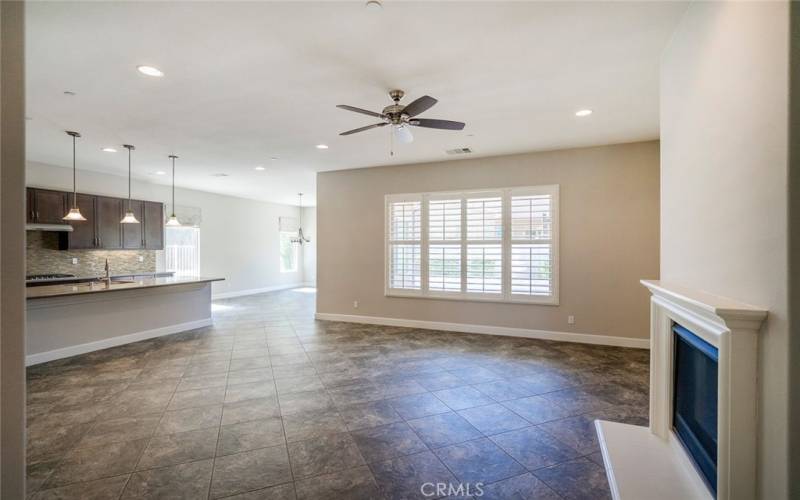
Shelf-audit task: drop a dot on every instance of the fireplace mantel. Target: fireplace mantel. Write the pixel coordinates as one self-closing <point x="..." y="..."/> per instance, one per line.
<point x="652" y="460"/>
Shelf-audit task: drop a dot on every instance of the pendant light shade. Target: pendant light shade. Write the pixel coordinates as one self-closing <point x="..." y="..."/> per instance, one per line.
<point x="173" y="219"/>
<point x="129" y="218"/>
<point x="74" y="212"/>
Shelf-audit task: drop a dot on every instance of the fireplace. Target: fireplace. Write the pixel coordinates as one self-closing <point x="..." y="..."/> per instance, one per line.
<point x="694" y="407"/>
<point x="701" y="441"/>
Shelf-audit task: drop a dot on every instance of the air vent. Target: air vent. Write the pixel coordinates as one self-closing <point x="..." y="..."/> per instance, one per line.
<point x="219" y="175"/>
<point x="459" y="151"/>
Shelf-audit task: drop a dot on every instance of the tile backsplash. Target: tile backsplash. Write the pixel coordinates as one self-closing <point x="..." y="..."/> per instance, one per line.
<point x="44" y="257"/>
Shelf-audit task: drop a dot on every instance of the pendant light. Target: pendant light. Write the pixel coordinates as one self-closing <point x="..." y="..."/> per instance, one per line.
<point x="129" y="217"/>
<point x="173" y="219"/>
<point x="300" y="238"/>
<point x="74" y="212"/>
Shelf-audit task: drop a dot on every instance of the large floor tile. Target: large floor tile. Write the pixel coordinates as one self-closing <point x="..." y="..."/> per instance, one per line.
<point x="250" y="435"/>
<point x="479" y="461"/>
<point x="443" y="429"/>
<point x="412" y="476"/>
<point x="352" y="484"/>
<point x="184" y="481"/>
<point x="250" y="470"/>
<point x="534" y="448"/>
<point x="86" y="464"/>
<point x="388" y="441"/>
<point x="324" y="455"/>
<point x="179" y="448"/>
<point x="99" y="489"/>
<point x="493" y="419"/>
<point x="579" y="479"/>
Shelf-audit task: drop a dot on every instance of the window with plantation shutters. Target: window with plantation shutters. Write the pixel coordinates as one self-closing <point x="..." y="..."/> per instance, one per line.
<point x="532" y="253"/>
<point x="484" y="266"/>
<point x="404" y="250"/>
<point x="498" y="245"/>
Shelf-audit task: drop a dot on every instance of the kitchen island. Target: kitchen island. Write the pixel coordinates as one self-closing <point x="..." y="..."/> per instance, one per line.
<point x="67" y="319"/>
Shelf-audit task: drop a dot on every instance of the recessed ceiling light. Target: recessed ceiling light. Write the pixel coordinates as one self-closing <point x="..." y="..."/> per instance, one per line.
<point x="374" y="6"/>
<point x="259" y="168"/>
<point x="109" y="150"/>
<point x="322" y="146"/>
<point x="274" y="158"/>
<point x="160" y="172"/>
<point x="150" y="71"/>
<point x="219" y="175"/>
<point x="583" y="112"/>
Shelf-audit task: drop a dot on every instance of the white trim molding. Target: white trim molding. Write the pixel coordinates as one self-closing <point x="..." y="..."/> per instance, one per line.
<point x="66" y="352"/>
<point x="631" y="458"/>
<point x="582" y="338"/>
<point x="254" y="291"/>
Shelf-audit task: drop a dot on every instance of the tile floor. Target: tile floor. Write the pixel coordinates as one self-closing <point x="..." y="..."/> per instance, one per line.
<point x="271" y="404"/>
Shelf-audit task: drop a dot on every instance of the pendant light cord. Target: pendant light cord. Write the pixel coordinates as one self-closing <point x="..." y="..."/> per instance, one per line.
<point x="129" y="178"/>
<point x="173" y="185"/>
<point x="74" y="177"/>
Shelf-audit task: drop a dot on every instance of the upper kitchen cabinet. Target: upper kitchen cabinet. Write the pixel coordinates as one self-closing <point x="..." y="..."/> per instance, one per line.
<point x="46" y="206"/>
<point x="153" y="225"/>
<point x="133" y="234"/>
<point x="109" y="230"/>
<point x="84" y="233"/>
<point x="30" y="210"/>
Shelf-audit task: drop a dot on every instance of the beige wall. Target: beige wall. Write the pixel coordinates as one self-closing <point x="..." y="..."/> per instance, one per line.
<point x="724" y="150"/>
<point x="12" y="251"/>
<point x="608" y="239"/>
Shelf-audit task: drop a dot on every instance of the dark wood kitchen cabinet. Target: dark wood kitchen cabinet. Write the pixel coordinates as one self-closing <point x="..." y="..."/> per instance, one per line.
<point x="84" y="233"/>
<point x="102" y="228"/>
<point x="30" y="211"/>
<point x="109" y="230"/>
<point x="46" y="206"/>
<point x="133" y="234"/>
<point x="153" y="225"/>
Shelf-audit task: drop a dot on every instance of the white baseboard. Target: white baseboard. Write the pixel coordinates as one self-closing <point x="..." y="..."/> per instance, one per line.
<point x="254" y="291"/>
<point x="43" y="357"/>
<point x="583" y="338"/>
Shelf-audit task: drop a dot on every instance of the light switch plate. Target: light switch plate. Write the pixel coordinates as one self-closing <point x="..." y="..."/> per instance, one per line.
<point x="74" y="260"/>
<point x="141" y="258"/>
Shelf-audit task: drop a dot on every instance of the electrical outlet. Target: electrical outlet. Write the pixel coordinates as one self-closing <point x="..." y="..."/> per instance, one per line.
<point x="74" y="261"/>
<point x="571" y="320"/>
<point x="355" y="304"/>
<point x="141" y="258"/>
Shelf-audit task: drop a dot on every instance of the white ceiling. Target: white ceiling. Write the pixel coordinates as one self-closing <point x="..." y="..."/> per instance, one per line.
<point x="248" y="81"/>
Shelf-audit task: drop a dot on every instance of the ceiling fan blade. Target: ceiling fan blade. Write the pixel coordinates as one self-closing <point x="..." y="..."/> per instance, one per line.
<point x="361" y="129"/>
<point x="359" y="110"/>
<point x="442" y="124"/>
<point x="421" y="105"/>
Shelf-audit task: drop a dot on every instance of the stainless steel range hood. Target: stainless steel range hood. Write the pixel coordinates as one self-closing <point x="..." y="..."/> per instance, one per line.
<point x="48" y="227"/>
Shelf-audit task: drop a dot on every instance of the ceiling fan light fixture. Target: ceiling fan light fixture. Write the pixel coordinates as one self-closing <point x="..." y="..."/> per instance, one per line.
<point x="402" y="134"/>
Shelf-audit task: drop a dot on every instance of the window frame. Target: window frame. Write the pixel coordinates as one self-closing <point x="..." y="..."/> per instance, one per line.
<point x="505" y="242"/>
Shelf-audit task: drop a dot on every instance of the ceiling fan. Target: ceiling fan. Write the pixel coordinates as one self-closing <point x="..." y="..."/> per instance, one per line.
<point x="400" y="117"/>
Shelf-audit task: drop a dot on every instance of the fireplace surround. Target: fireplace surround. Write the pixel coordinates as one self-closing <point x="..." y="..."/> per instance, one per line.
<point x="652" y="462"/>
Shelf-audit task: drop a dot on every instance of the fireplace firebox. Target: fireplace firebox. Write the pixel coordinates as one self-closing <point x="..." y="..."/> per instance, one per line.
<point x="694" y="416"/>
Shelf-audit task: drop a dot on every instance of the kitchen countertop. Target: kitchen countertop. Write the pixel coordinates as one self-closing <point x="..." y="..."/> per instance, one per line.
<point x="61" y="290"/>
